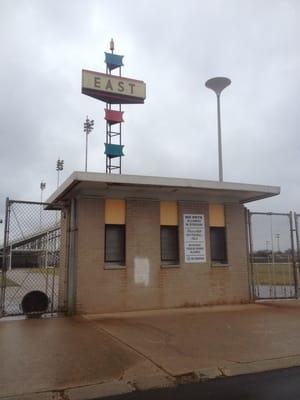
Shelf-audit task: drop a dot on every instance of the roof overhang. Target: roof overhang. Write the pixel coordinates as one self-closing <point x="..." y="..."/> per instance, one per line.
<point x="160" y="188"/>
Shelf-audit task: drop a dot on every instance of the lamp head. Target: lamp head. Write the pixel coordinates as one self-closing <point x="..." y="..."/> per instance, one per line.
<point x="217" y="84"/>
<point x="112" y="45"/>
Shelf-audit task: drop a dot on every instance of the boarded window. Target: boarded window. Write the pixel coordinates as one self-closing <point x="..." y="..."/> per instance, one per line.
<point x="115" y="244"/>
<point x="115" y="211"/>
<point x="169" y="244"/>
<point x="168" y="213"/>
<point x="216" y="215"/>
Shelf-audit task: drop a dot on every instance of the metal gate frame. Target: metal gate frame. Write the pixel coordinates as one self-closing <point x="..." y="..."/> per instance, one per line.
<point x="294" y="260"/>
<point x="4" y="258"/>
<point x="6" y="255"/>
<point x="297" y="227"/>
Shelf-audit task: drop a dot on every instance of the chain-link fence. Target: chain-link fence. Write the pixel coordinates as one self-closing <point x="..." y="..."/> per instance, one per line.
<point x="272" y="256"/>
<point x="30" y="255"/>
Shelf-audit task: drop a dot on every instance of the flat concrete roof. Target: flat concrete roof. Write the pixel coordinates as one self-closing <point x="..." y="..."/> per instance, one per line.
<point x="161" y="188"/>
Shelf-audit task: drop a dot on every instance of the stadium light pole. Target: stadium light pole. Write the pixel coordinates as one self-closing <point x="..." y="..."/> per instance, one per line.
<point x="59" y="168"/>
<point x="42" y="187"/>
<point x="218" y="84"/>
<point x="277" y="236"/>
<point x="88" y="126"/>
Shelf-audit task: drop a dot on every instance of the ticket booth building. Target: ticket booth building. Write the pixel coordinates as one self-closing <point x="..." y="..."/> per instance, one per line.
<point x="140" y="243"/>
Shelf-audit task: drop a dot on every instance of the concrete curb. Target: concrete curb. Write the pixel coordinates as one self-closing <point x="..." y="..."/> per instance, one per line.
<point x="97" y="391"/>
<point x="36" y="396"/>
<point x="235" y="369"/>
<point x="153" y="382"/>
<point x="144" y="383"/>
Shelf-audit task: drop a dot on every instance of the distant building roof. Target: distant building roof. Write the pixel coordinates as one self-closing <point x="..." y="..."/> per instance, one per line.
<point x="138" y="186"/>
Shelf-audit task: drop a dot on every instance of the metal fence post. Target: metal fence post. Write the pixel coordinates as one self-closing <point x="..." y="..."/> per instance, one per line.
<point x="4" y="257"/>
<point x="297" y="238"/>
<point x="250" y="236"/>
<point x="293" y="254"/>
<point x="71" y="292"/>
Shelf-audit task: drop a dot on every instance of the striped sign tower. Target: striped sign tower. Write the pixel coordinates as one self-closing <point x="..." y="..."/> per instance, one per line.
<point x="114" y="90"/>
<point x="114" y="118"/>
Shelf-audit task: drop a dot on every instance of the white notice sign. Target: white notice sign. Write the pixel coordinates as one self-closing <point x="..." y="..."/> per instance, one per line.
<point x="194" y="238"/>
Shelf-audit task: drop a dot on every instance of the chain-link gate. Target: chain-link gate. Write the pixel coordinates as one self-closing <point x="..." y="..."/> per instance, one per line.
<point x="272" y="256"/>
<point x="30" y="256"/>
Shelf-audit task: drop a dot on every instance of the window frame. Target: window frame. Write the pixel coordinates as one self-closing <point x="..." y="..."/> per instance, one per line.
<point x="221" y="261"/>
<point x="173" y="261"/>
<point x="122" y="261"/>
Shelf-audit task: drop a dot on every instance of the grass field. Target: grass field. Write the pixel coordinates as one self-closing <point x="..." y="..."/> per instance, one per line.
<point x="44" y="271"/>
<point x="9" y="282"/>
<point x="273" y="274"/>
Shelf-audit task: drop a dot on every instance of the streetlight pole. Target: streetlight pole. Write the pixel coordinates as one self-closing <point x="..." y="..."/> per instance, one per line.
<point x="59" y="167"/>
<point x="218" y="85"/>
<point x="88" y="126"/>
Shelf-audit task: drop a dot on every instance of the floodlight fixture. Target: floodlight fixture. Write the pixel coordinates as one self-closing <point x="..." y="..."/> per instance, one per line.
<point x="88" y="126"/>
<point x="218" y="84"/>
<point x="59" y="168"/>
<point x="59" y="165"/>
<point x="112" y="45"/>
<point x="42" y="185"/>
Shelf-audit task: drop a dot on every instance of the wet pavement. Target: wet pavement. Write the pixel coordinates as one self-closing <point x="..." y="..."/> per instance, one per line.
<point x="120" y="353"/>
<point x="194" y="339"/>
<point x="53" y="354"/>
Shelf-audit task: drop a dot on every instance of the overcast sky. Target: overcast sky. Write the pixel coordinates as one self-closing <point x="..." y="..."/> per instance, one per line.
<point x="174" y="46"/>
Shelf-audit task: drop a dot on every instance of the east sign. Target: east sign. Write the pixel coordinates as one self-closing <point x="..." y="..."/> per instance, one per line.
<point x="113" y="89"/>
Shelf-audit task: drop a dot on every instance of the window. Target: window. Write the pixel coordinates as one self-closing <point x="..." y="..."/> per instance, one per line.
<point x="115" y="244"/>
<point x="169" y="243"/>
<point x="218" y="246"/>
<point x="115" y="228"/>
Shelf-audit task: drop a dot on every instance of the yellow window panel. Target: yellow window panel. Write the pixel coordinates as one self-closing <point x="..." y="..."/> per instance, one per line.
<point x="168" y="213"/>
<point x="216" y="215"/>
<point x="115" y="211"/>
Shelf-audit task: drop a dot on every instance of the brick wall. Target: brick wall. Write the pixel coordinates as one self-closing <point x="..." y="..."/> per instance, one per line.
<point x="143" y="283"/>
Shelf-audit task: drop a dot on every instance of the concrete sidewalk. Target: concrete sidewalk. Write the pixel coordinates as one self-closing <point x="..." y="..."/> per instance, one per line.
<point x="85" y="358"/>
